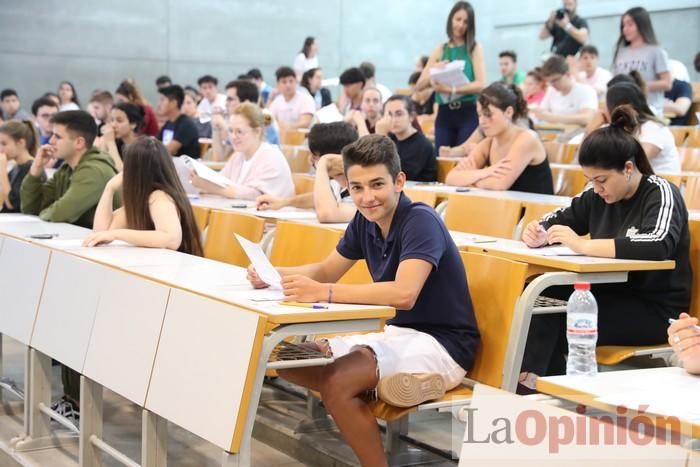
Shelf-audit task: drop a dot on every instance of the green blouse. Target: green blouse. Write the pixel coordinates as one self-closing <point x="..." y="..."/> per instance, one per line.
<point x="458" y="53"/>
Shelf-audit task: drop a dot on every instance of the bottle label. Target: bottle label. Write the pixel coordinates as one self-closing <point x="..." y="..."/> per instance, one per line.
<point x="582" y="324"/>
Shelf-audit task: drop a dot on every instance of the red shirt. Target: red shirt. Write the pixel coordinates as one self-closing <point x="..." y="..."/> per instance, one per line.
<point x="150" y="122"/>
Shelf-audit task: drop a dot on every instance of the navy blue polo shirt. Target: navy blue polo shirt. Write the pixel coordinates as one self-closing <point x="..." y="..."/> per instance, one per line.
<point x="443" y="308"/>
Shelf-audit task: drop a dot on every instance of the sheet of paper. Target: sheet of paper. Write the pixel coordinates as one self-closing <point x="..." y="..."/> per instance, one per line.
<point x="329" y="114"/>
<point x="206" y="173"/>
<point x="18" y="218"/>
<point x="262" y="265"/>
<point x="452" y="74"/>
<point x="554" y="251"/>
<point x="264" y="295"/>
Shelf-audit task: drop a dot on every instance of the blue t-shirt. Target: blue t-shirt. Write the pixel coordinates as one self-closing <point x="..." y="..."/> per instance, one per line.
<point x="443" y="308"/>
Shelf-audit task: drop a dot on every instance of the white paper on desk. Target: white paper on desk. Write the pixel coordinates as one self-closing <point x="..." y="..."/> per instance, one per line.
<point x="264" y="295"/>
<point x="554" y="251"/>
<point x="329" y="114"/>
<point x="452" y="74"/>
<point x="206" y="173"/>
<point x="262" y="265"/>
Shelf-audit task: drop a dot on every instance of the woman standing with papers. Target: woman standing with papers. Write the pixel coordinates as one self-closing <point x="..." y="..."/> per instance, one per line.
<point x="630" y="213"/>
<point x="456" y="118"/>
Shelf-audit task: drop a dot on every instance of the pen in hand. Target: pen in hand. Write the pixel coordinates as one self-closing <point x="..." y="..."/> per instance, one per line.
<point x="671" y="321"/>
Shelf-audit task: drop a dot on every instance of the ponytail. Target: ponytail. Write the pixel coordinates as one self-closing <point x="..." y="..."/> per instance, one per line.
<point x="612" y="146"/>
<point x="25" y="130"/>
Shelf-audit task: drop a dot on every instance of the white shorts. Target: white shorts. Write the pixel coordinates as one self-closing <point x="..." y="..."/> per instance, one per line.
<point x="403" y="350"/>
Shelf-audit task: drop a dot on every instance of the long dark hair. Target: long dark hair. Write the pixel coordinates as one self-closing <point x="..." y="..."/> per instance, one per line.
<point x="629" y="94"/>
<point x="633" y="77"/>
<point x="134" y="114"/>
<point x="148" y="167"/>
<point x="610" y="147"/>
<point x="470" y="34"/>
<point x="306" y="48"/>
<point x="306" y="78"/>
<point x="131" y="91"/>
<point x="641" y="18"/>
<point x="73" y="99"/>
<point x="502" y="96"/>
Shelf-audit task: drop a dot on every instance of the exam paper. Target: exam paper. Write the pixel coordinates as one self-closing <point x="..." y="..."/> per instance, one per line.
<point x="452" y="74"/>
<point x="329" y="114"/>
<point x="206" y="173"/>
<point x="554" y="251"/>
<point x="262" y="265"/>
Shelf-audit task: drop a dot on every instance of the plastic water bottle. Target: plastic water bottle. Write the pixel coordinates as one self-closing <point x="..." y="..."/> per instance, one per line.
<point x="582" y="331"/>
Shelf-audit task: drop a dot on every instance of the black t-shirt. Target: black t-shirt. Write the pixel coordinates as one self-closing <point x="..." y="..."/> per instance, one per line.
<point x="426" y="108"/>
<point x="417" y="157"/>
<point x="183" y="131"/>
<point x="16" y="175"/>
<point x="563" y="44"/>
<point x="680" y="89"/>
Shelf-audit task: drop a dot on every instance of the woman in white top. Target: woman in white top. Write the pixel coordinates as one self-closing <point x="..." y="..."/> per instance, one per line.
<point x="307" y="58"/>
<point x="638" y="49"/>
<point x="68" y="97"/>
<point x="255" y="168"/>
<point x="655" y="137"/>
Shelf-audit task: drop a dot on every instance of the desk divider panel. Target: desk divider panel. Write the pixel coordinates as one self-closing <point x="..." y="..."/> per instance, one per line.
<point x="67" y="311"/>
<point x="125" y="334"/>
<point x="204" y="368"/>
<point x="22" y="272"/>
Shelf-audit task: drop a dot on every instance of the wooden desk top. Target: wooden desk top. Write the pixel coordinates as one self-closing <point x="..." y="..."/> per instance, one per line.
<point x="443" y="189"/>
<point x="517" y="251"/>
<point x="658" y="388"/>
<point x="227" y="204"/>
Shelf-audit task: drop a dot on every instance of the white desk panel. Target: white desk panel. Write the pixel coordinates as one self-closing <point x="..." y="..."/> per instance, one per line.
<point x="204" y="355"/>
<point x="22" y="270"/>
<point x="24" y="227"/>
<point x="67" y="311"/>
<point x="125" y="334"/>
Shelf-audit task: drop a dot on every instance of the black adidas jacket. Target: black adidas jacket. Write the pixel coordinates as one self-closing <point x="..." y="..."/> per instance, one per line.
<point x="652" y="225"/>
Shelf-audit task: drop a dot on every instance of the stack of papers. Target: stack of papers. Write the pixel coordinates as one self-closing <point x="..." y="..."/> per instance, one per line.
<point x="452" y="74"/>
<point x="206" y="173"/>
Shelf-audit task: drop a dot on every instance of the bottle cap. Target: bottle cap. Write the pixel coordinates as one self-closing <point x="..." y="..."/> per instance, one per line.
<point x="582" y="286"/>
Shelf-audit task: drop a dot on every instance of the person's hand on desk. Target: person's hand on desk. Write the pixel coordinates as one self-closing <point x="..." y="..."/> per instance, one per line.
<point x="265" y="202"/>
<point x="298" y="288"/>
<point x="254" y="279"/>
<point x="534" y="235"/>
<point x="567" y="237"/>
<point x="685" y="340"/>
<point x="100" y="238"/>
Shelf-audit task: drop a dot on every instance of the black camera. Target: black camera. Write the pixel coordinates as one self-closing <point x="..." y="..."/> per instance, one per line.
<point x="560" y="13"/>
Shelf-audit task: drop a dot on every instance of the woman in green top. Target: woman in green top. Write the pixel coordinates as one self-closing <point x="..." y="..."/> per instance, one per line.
<point x="456" y="118"/>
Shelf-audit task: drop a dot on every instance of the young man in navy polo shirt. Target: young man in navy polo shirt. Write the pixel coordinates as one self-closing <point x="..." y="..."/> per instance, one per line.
<point x="430" y="343"/>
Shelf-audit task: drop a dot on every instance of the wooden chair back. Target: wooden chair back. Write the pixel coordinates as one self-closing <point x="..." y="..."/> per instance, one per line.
<point x="494" y="303"/>
<point x="221" y="245"/>
<point x="482" y="215"/>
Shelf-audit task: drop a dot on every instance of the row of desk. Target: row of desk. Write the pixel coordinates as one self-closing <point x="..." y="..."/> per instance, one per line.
<point x="180" y="336"/>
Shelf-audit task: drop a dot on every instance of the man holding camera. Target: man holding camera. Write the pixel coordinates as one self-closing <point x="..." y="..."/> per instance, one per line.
<point x="568" y="30"/>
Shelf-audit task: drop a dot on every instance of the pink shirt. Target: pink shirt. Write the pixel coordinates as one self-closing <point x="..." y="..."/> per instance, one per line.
<point x="289" y="111"/>
<point x="267" y="172"/>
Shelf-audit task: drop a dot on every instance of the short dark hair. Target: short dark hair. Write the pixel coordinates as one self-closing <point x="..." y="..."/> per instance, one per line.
<point x="352" y="75"/>
<point x="330" y="138"/>
<point x="255" y="73"/>
<point x="284" y="72"/>
<point x="162" y="80"/>
<point x="174" y="92"/>
<point x="407" y="102"/>
<point x="245" y="90"/>
<point x="368" y="69"/>
<point x="373" y="150"/>
<point x="42" y="102"/>
<point x="589" y="49"/>
<point x="207" y="79"/>
<point x="7" y="93"/>
<point x="509" y="53"/>
<point x="78" y="122"/>
<point x="556" y="64"/>
<point x="244" y="76"/>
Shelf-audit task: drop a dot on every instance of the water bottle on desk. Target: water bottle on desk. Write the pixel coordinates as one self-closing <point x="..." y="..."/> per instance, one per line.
<point x="582" y="331"/>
